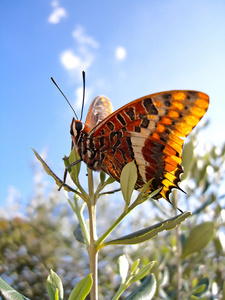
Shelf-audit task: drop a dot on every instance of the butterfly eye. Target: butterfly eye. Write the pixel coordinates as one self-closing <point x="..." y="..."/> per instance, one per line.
<point x="76" y="128"/>
<point x="79" y="126"/>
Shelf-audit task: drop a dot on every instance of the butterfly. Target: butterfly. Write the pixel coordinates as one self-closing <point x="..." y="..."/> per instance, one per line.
<point x="149" y="131"/>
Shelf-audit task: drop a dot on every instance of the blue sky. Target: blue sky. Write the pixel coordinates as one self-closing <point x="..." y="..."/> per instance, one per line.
<point x="127" y="48"/>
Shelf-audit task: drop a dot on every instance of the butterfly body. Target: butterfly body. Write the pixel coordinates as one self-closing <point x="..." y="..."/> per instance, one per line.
<point x="148" y="131"/>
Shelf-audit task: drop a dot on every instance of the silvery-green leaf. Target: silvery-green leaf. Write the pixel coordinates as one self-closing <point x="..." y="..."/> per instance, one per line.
<point x="145" y="291"/>
<point x="143" y="272"/>
<point x="54" y="282"/>
<point x="123" y="267"/>
<point x="198" y="238"/>
<point x="79" y="234"/>
<point x="128" y="179"/>
<point x="75" y="170"/>
<point x="81" y="289"/>
<point x="58" y="181"/>
<point x="149" y="232"/>
<point x="8" y="293"/>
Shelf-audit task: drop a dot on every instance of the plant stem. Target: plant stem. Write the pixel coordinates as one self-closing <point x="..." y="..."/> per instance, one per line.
<point x="93" y="260"/>
<point x="179" y="268"/>
<point x="179" y="250"/>
<point x="92" y="252"/>
<point x="119" y="292"/>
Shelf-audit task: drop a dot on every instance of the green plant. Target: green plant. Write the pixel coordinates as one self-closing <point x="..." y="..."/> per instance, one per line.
<point x="88" y="234"/>
<point x="180" y="265"/>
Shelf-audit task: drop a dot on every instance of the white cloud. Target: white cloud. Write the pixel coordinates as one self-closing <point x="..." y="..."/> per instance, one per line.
<point x="84" y="39"/>
<point x="70" y="61"/>
<point x="121" y="53"/>
<point x="73" y="62"/>
<point x="82" y="57"/>
<point x="78" y="59"/>
<point x="57" y="14"/>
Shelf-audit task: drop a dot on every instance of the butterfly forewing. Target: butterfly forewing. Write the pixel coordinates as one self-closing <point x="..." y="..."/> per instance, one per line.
<point x="150" y="131"/>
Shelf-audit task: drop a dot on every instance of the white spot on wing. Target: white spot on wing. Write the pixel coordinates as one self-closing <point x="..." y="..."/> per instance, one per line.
<point x="137" y="144"/>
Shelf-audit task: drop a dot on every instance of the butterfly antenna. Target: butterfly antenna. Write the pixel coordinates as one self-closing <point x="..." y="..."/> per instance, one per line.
<point x="64" y="97"/>
<point x="83" y="74"/>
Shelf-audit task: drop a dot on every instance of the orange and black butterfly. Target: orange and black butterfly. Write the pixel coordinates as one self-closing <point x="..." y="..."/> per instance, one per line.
<point x="149" y="131"/>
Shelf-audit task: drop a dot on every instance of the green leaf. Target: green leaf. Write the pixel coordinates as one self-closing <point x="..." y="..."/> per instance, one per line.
<point x="199" y="289"/>
<point x="143" y="196"/>
<point x="145" y="291"/>
<point x="155" y="192"/>
<point x="58" y="181"/>
<point x="110" y="180"/>
<point x="8" y="293"/>
<point x="149" y="232"/>
<point x="142" y="272"/>
<point x="82" y="288"/>
<point x="194" y="297"/>
<point x="202" y="287"/>
<point x="128" y="179"/>
<point x="135" y="265"/>
<point x="123" y="267"/>
<point x="187" y="156"/>
<point x="54" y="282"/>
<point x="198" y="238"/>
<point x="102" y="177"/>
<point x="56" y="294"/>
<point x="218" y="244"/>
<point x="79" y="234"/>
<point x="74" y="170"/>
<point x="145" y="187"/>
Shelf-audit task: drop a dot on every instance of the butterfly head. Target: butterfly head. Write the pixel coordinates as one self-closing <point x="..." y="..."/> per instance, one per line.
<point x="76" y="129"/>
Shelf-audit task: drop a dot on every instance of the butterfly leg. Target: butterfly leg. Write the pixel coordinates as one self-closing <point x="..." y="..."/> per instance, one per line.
<point x="66" y="171"/>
